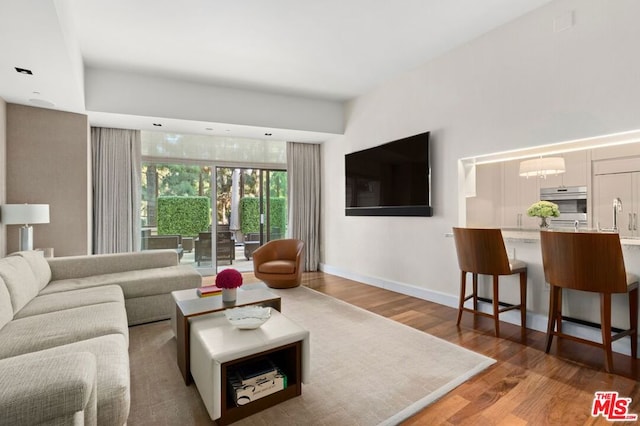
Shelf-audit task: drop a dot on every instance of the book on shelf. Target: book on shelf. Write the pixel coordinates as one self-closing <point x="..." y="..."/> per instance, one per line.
<point x="253" y="381"/>
<point x="209" y="290"/>
<point x="256" y="371"/>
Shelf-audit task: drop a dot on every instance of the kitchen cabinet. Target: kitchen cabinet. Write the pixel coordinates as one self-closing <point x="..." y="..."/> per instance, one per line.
<point x="576" y="174"/>
<point x="484" y="209"/>
<point x="607" y="187"/>
<point x="518" y="194"/>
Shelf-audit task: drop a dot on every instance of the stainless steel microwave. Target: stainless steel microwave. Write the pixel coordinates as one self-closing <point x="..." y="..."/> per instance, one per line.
<point x="572" y="203"/>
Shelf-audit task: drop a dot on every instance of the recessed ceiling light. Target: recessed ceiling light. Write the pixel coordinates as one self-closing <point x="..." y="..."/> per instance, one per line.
<point x="42" y="102"/>
<point x="157" y="124"/>
<point x="23" y="71"/>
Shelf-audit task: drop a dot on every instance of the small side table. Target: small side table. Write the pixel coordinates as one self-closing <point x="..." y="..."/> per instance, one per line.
<point x="217" y="345"/>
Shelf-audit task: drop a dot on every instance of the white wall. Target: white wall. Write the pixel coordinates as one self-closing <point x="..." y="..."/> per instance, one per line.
<point x="521" y="85"/>
<point x="152" y="96"/>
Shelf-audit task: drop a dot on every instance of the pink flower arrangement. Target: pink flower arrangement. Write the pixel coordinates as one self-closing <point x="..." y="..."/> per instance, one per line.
<point x="229" y="278"/>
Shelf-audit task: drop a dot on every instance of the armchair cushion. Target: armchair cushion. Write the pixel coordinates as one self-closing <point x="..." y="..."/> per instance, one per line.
<point x="278" y="267"/>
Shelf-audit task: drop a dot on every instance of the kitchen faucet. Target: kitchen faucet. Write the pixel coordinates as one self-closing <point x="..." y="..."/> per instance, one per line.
<point x="617" y="207"/>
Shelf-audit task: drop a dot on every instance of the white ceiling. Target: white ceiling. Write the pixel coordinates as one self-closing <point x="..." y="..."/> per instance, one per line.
<point x="331" y="49"/>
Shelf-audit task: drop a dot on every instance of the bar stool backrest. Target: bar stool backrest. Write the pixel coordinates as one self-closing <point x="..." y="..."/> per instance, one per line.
<point x="587" y="261"/>
<point x="481" y="251"/>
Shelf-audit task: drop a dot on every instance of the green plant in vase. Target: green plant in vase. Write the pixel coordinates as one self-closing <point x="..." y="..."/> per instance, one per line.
<point x="543" y="210"/>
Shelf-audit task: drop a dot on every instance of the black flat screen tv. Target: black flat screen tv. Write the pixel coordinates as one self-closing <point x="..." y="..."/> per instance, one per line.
<point x="393" y="179"/>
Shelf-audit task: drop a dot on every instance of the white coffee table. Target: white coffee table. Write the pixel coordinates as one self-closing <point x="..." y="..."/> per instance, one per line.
<point x="216" y="345"/>
<point x="189" y="305"/>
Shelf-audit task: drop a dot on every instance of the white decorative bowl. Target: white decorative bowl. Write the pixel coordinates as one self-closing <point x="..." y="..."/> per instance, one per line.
<point x="248" y="317"/>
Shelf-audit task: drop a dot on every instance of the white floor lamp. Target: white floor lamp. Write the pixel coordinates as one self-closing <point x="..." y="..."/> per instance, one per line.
<point x="24" y="214"/>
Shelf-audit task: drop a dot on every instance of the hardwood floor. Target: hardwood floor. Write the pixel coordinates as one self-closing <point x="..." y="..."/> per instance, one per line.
<point x="525" y="386"/>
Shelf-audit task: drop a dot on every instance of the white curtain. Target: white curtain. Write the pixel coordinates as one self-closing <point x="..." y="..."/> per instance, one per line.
<point x="116" y="155"/>
<point x="303" y="171"/>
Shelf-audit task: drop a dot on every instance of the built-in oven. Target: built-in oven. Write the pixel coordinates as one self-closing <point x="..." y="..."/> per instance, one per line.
<point x="572" y="203"/>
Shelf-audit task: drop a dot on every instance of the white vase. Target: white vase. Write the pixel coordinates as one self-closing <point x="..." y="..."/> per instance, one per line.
<point x="229" y="294"/>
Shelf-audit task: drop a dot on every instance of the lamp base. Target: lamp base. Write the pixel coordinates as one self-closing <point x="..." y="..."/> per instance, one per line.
<point x="26" y="238"/>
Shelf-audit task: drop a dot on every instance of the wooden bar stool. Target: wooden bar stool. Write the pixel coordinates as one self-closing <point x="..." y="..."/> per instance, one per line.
<point x="482" y="252"/>
<point x="588" y="261"/>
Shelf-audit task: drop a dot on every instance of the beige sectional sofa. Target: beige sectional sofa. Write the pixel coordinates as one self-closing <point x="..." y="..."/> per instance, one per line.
<point x="64" y="331"/>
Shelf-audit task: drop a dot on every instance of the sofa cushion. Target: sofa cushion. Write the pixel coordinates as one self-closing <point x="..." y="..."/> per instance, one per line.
<point x="278" y="267"/>
<point x="44" y="304"/>
<point x="52" y="389"/>
<point x="86" y="266"/>
<point x="112" y="362"/>
<point x="45" y="331"/>
<point x="6" y="309"/>
<point x="146" y="282"/>
<point x="20" y="280"/>
<point x="39" y="266"/>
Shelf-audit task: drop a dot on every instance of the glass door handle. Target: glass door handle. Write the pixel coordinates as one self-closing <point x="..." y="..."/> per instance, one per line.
<point x="630" y="222"/>
<point x="635" y="221"/>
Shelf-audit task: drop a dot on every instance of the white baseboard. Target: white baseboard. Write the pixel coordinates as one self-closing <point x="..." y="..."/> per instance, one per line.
<point x="535" y="321"/>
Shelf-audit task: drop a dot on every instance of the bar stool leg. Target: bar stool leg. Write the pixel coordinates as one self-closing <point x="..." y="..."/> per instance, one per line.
<point x="463" y="291"/>
<point x="633" y="321"/>
<point x="553" y="312"/>
<point x="523" y="302"/>
<point x="496" y="307"/>
<point x="475" y="292"/>
<point x="605" y="320"/>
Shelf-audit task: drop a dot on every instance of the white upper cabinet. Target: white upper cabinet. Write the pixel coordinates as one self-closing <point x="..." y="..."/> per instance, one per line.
<point x="576" y="174"/>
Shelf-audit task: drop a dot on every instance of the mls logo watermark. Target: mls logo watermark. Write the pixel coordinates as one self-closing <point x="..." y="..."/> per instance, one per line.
<point x="612" y="407"/>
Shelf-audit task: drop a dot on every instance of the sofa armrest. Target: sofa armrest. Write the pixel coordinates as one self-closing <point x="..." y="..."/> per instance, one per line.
<point x="48" y="389"/>
<point x="63" y="268"/>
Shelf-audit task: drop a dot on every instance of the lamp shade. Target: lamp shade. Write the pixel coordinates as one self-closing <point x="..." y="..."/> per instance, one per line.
<point x="542" y="166"/>
<point x="24" y="214"/>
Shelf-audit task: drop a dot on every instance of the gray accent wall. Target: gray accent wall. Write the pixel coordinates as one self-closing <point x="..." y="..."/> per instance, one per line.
<point x="47" y="162"/>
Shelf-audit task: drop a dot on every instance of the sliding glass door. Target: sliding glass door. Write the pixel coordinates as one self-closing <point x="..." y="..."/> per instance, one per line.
<point x="176" y="210"/>
<point x="215" y="217"/>
<point x="251" y="209"/>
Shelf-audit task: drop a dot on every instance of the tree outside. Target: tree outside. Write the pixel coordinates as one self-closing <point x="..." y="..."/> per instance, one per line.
<point x="160" y="179"/>
<point x="164" y="179"/>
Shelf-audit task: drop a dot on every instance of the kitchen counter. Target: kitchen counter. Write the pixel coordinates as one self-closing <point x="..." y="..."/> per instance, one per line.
<point x="533" y="235"/>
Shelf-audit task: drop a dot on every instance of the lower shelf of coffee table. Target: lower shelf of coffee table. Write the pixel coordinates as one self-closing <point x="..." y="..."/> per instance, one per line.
<point x="288" y="358"/>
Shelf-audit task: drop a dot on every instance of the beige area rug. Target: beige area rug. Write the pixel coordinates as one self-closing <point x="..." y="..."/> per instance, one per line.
<point x="365" y="369"/>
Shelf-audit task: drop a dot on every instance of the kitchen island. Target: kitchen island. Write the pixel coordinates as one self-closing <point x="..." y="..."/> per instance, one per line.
<point x="524" y="244"/>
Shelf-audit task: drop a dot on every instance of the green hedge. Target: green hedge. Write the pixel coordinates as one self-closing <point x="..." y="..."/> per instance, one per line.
<point x="278" y="216"/>
<point x="250" y="214"/>
<point x="185" y="216"/>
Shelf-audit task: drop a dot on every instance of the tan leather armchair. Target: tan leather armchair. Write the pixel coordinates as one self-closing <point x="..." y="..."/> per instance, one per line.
<point x="279" y="263"/>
